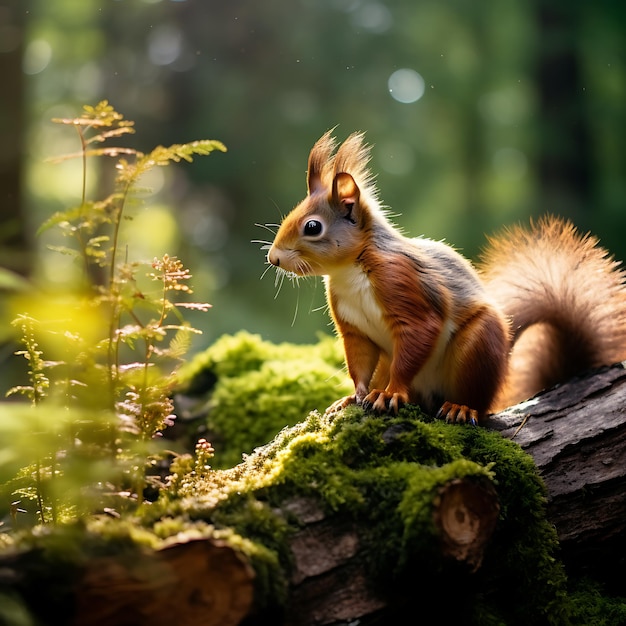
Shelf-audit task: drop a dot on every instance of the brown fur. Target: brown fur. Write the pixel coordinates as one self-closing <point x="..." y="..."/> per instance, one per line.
<point x="420" y="324"/>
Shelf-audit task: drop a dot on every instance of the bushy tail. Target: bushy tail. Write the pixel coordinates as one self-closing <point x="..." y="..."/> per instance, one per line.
<point x="566" y="297"/>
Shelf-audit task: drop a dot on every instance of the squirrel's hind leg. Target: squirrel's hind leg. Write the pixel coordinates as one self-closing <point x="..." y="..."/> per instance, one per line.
<point x="475" y="366"/>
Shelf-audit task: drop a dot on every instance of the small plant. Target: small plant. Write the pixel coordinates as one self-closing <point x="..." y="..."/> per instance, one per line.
<point x="100" y="402"/>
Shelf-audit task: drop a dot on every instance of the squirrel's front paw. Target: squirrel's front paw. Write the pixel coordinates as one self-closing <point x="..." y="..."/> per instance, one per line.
<point x="458" y="414"/>
<point x="342" y="403"/>
<point x="381" y="401"/>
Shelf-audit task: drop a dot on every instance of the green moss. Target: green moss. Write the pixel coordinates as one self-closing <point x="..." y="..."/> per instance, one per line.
<point x="234" y="355"/>
<point x="248" y="389"/>
<point x="524" y="551"/>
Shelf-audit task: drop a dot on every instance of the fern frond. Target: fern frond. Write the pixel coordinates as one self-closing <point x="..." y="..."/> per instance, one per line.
<point x="101" y="115"/>
<point x="112" y="152"/>
<point x="39" y="381"/>
<point x="160" y="156"/>
<point x="195" y="306"/>
<point x="90" y="214"/>
<point x="109" y="134"/>
<point x="185" y="151"/>
<point x="180" y="343"/>
<point x="97" y="241"/>
<point x="184" y="327"/>
<point x="66" y="251"/>
<point x="95" y="251"/>
<point x="59" y="217"/>
<point x="26" y="390"/>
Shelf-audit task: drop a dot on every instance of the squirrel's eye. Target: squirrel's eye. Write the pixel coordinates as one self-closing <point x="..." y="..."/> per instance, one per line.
<point x="312" y="228"/>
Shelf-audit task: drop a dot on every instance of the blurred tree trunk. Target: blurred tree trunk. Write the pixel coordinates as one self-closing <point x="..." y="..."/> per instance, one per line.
<point x="564" y="163"/>
<point x="14" y="247"/>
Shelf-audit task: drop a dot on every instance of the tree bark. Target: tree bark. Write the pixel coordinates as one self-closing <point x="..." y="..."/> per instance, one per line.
<point x="576" y="434"/>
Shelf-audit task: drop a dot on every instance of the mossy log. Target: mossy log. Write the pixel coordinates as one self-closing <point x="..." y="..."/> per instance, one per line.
<point x="205" y="582"/>
<point x="330" y="583"/>
<point x="576" y="434"/>
<point x="367" y="518"/>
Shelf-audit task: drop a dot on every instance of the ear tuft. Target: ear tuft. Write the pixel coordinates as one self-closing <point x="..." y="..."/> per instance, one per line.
<point x="351" y="157"/>
<point x="321" y="161"/>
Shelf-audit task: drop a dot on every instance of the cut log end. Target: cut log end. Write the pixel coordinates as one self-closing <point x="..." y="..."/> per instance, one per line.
<point x="196" y="582"/>
<point x="465" y="514"/>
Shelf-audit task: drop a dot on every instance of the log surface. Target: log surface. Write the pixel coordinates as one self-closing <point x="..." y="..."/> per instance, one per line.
<point x="576" y="434"/>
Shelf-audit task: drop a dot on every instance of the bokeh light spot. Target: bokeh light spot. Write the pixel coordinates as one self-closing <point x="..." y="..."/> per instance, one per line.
<point x="164" y="45"/>
<point x="37" y="56"/>
<point x="374" y="17"/>
<point x="406" y="85"/>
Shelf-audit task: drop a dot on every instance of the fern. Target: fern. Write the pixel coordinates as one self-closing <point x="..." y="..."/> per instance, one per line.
<point x="120" y="368"/>
<point x="39" y="381"/>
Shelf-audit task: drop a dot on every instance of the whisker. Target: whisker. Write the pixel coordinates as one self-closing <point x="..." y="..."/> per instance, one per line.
<point x="278" y="282"/>
<point x="282" y="215"/>
<point x="269" y="227"/>
<point x="305" y="267"/>
<point x="295" y="313"/>
<point x="266" y="270"/>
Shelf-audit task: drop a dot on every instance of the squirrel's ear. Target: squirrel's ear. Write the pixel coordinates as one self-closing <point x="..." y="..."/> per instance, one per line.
<point x="346" y="193"/>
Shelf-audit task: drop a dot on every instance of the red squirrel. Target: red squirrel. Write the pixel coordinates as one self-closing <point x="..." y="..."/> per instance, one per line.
<point x="420" y="324"/>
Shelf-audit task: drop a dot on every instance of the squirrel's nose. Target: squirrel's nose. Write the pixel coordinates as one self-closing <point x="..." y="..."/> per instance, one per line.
<point x="273" y="258"/>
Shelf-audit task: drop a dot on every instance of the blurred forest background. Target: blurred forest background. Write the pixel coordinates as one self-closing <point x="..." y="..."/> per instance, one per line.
<point x="481" y="114"/>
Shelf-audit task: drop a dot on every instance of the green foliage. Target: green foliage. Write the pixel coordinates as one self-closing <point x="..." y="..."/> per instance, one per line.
<point x="459" y="162"/>
<point x="103" y="357"/>
<point x="40" y="383"/>
<point x="97" y="125"/>
<point x="592" y="605"/>
<point x="249" y="388"/>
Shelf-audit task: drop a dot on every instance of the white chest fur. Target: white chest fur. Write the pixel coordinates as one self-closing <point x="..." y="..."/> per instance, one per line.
<point x="356" y="304"/>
